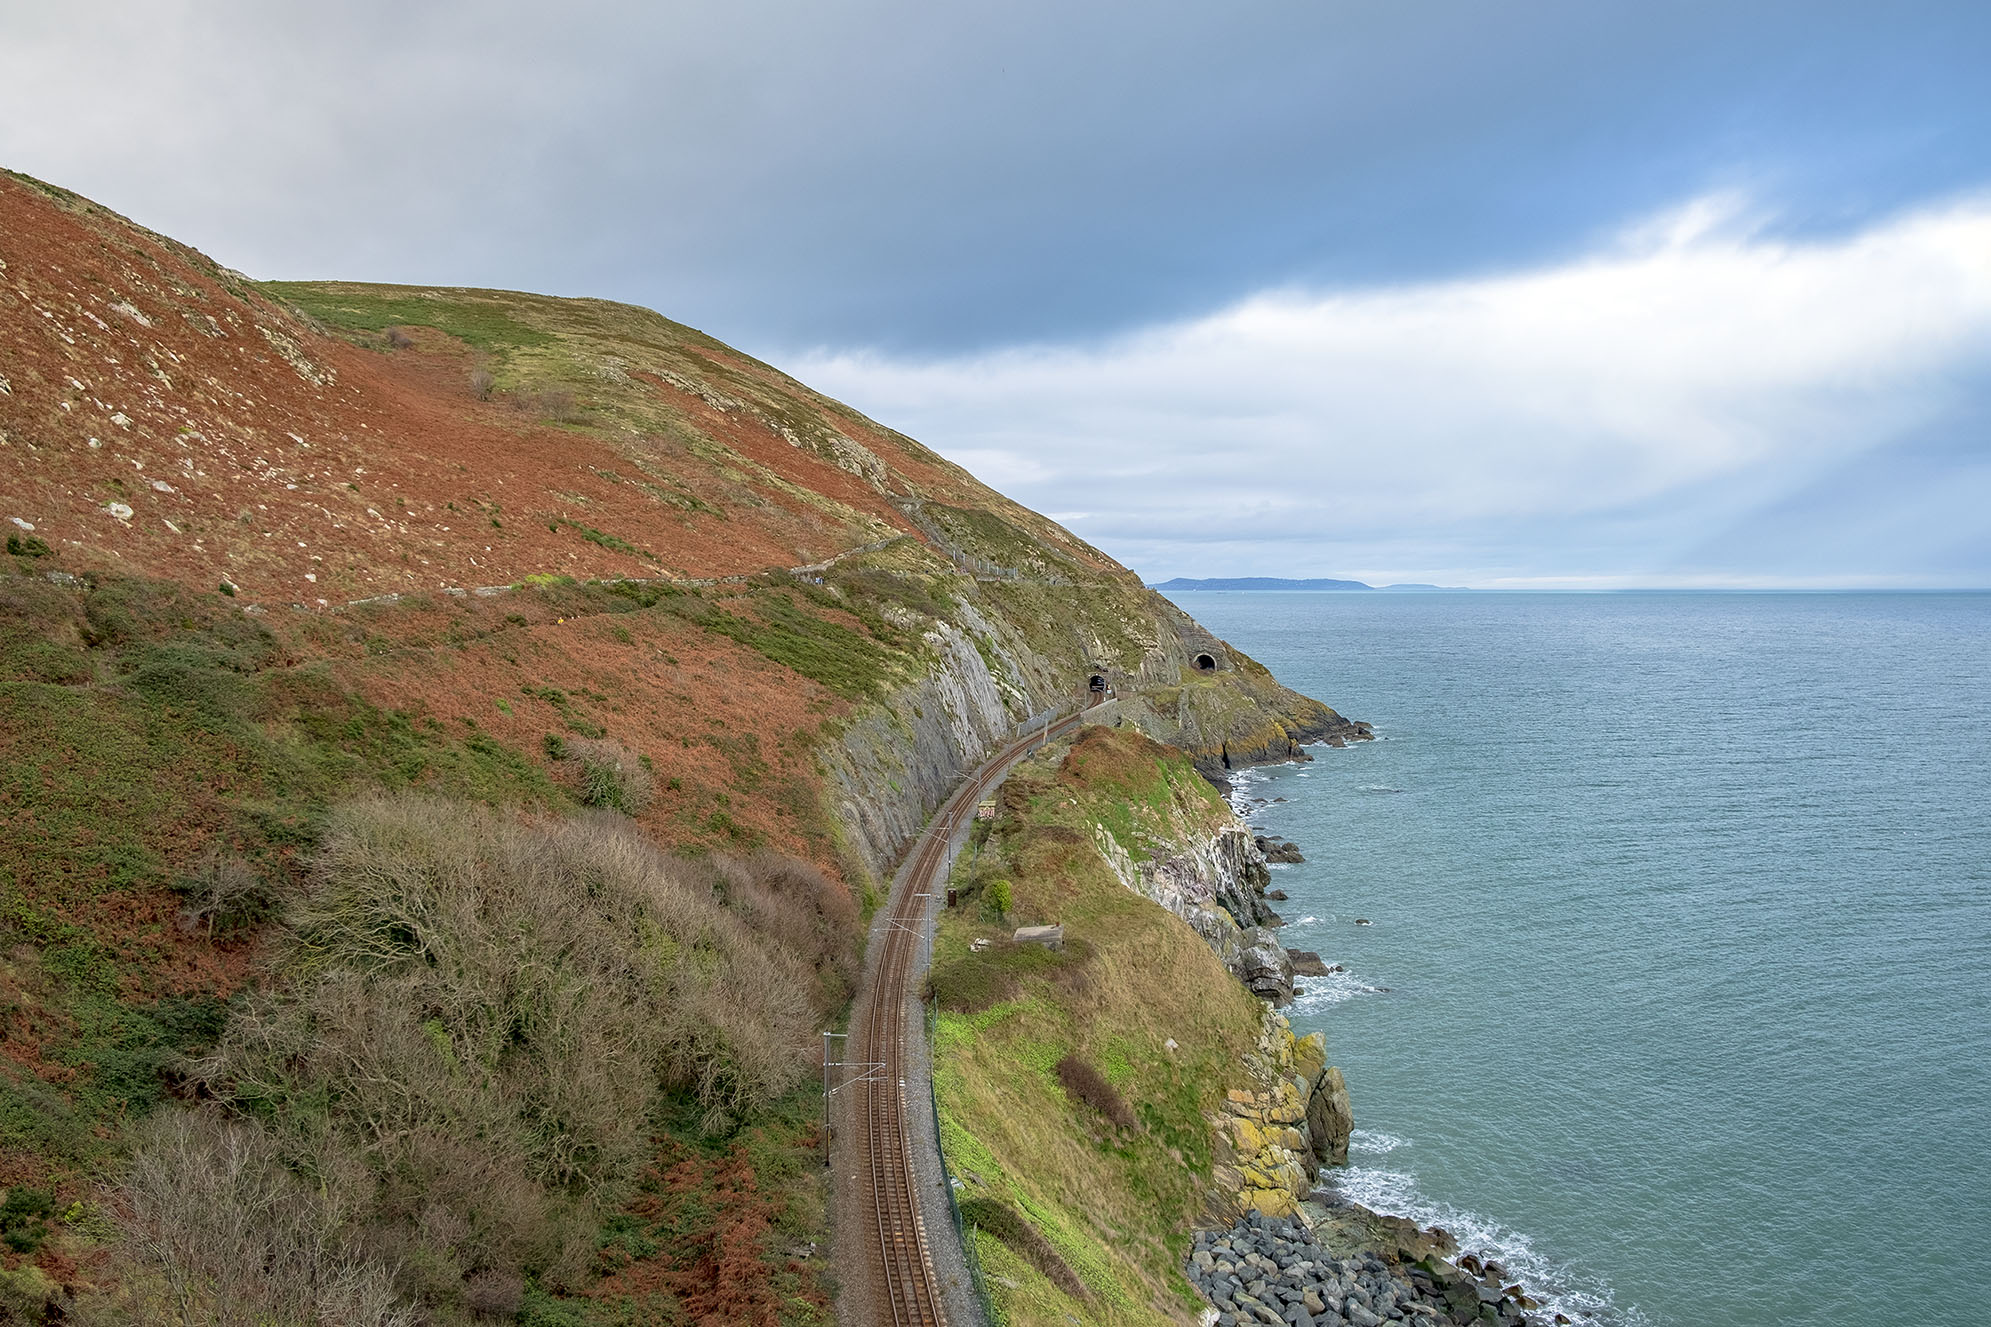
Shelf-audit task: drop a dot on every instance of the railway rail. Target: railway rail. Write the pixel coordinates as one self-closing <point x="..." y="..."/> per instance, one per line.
<point x="902" y="1261"/>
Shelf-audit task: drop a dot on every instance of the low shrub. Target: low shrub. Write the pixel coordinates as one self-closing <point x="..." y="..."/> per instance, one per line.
<point x="223" y="1234"/>
<point x="804" y="911"/>
<point x="1004" y="1222"/>
<point x="558" y="407"/>
<point x="612" y="776"/>
<point x="997" y="899"/>
<point x="1085" y="1086"/>
<point x="24" y="1217"/>
<point x="222" y="890"/>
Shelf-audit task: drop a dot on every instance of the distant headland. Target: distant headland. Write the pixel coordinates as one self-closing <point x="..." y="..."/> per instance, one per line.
<point x="1280" y="583"/>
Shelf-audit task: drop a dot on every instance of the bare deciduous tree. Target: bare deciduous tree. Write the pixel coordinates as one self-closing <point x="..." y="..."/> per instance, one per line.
<point x="231" y="1238"/>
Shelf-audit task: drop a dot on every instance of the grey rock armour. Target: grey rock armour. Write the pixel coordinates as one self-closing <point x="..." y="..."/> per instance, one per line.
<point x="1269" y="1272"/>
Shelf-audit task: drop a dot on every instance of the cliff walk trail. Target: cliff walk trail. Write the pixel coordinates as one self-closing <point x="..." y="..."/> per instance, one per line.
<point x="887" y="1167"/>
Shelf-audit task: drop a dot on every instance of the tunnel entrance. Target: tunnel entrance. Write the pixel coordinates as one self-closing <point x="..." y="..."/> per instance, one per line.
<point x="1097" y="685"/>
<point x="1206" y="663"/>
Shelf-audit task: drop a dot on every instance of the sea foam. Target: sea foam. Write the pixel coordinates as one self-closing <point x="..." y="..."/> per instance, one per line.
<point x="1584" y="1300"/>
<point x="1322" y="993"/>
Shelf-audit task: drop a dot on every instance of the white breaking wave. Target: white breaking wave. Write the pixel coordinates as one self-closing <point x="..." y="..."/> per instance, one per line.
<point x="1374" y="1142"/>
<point x="1242" y="781"/>
<point x="1559" y="1289"/>
<point x="1323" y="993"/>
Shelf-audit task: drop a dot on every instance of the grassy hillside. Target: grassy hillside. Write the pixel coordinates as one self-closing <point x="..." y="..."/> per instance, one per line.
<point x="1076" y="1089"/>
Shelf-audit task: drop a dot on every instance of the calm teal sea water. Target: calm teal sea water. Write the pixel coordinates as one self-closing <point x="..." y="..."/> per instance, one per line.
<point x="1683" y="907"/>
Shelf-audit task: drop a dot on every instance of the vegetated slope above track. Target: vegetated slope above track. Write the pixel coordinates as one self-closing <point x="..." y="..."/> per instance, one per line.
<point x="317" y="443"/>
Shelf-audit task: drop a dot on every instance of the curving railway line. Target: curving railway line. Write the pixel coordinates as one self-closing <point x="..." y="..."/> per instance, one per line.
<point x="907" y="1292"/>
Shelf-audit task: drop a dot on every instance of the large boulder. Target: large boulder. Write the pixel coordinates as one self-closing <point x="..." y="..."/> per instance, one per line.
<point x="1263" y="966"/>
<point x="1330" y="1118"/>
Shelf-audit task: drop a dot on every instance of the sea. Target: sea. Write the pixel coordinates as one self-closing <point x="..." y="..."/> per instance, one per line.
<point x="1666" y="921"/>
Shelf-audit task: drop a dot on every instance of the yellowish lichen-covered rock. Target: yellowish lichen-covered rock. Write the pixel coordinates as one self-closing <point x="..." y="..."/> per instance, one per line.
<point x="1288" y="1105"/>
<point x="1249" y="1137"/>
<point x="1310" y="1056"/>
<point x="1272" y="1202"/>
<point x="1270" y="1121"/>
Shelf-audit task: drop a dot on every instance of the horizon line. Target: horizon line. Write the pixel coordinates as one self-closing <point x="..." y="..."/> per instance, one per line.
<point x="1414" y="588"/>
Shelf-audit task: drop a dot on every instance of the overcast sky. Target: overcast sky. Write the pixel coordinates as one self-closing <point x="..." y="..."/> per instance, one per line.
<point x="1488" y="292"/>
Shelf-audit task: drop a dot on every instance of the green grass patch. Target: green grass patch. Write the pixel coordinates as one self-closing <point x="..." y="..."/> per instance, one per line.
<point x="969" y="983"/>
<point x="774" y="625"/>
<point x="483" y="319"/>
<point x="613" y="543"/>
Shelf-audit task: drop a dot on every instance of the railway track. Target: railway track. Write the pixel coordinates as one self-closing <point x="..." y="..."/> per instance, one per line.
<point x="902" y="1260"/>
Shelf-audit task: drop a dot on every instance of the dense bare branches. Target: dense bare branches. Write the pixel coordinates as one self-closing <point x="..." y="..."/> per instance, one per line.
<point x="230" y="1236"/>
<point x="482" y="1016"/>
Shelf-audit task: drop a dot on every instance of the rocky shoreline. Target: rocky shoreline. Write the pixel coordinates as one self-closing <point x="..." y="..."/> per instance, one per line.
<point x="1321" y="1260"/>
<point x="1279" y="1246"/>
<point x="1354" y="1268"/>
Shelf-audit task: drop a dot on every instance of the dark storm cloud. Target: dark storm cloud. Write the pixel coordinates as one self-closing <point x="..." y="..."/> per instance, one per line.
<point x="1581" y="291"/>
<point x="947" y="177"/>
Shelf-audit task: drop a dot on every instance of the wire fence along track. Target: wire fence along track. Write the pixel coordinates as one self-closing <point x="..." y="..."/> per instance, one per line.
<point x="902" y="1260"/>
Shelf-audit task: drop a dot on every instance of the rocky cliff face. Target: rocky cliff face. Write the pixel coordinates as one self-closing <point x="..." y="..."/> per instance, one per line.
<point x="895" y="762"/>
<point x="1000" y="656"/>
<point x="1214" y="881"/>
<point x="1290" y="1119"/>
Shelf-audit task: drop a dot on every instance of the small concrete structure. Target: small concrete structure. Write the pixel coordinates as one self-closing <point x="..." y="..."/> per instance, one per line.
<point x="1051" y="937"/>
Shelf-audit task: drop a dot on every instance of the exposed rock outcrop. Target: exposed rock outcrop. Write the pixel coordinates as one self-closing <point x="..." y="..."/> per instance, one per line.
<point x="1306" y="963"/>
<point x="990" y="675"/>
<point x="1278" y="850"/>
<point x="1265" y="967"/>
<point x="1215" y="881"/>
<point x="1279" y="1129"/>
<point x="1330" y="1119"/>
